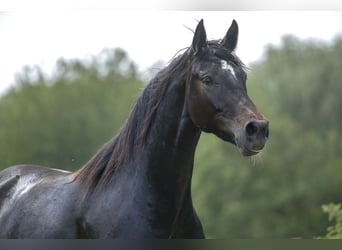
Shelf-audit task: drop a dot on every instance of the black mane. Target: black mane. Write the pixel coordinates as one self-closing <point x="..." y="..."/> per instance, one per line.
<point x="129" y="142"/>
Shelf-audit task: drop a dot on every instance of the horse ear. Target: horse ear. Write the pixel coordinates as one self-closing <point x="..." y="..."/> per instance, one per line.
<point x="200" y="38"/>
<point x="230" y="39"/>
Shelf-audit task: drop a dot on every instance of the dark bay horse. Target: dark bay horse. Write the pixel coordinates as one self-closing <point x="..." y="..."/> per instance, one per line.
<point x="138" y="185"/>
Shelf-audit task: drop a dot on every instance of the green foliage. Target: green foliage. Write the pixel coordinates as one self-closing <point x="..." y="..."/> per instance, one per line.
<point x="61" y="121"/>
<point x="334" y="212"/>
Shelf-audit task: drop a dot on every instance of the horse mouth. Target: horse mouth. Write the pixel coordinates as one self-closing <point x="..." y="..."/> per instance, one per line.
<point x="247" y="144"/>
<point x="244" y="151"/>
<point x="248" y="149"/>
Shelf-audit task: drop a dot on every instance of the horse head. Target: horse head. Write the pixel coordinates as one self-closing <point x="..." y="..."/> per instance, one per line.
<point x="217" y="95"/>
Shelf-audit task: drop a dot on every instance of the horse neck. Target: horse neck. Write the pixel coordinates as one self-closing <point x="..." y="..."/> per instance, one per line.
<point x="170" y="147"/>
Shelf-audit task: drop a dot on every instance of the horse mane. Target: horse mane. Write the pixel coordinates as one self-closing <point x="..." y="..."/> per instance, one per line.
<point x="129" y="141"/>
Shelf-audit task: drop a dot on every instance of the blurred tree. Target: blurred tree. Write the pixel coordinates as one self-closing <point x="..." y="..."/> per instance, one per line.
<point x="62" y="120"/>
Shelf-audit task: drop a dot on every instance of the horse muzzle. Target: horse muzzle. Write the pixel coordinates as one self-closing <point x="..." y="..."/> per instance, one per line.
<point x="252" y="138"/>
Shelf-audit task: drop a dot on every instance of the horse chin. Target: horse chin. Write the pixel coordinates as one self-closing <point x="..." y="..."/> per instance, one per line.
<point x="244" y="151"/>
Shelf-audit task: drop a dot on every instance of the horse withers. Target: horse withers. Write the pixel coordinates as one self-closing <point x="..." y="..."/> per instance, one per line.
<point x="138" y="185"/>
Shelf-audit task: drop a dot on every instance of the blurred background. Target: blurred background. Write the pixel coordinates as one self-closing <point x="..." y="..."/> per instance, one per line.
<point x="68" y="80"/>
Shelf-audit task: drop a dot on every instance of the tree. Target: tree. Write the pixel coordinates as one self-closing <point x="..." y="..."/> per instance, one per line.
<point x="60" y="121"/>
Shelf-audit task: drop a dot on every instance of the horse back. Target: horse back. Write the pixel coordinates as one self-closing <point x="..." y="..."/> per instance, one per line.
<point x="24" y="177"/>
<point x="35" y="202"/>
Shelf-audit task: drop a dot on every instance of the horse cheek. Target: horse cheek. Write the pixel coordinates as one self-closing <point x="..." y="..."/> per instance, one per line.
<point x="200" y="109"/>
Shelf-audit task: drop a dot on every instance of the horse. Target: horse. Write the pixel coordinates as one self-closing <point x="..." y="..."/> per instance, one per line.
<point x="138" y="184"/>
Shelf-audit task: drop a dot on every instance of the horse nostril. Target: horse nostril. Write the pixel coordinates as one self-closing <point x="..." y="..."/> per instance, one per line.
<point x="266" y="131"/>
<point x="257" y="128"/>
<point x="252" y="128"/>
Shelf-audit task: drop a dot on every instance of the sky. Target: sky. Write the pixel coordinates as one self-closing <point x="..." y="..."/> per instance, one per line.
<point x="42" y="37"/>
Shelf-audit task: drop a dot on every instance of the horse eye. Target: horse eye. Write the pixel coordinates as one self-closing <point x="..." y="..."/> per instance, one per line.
<point x="207" y="79"/>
